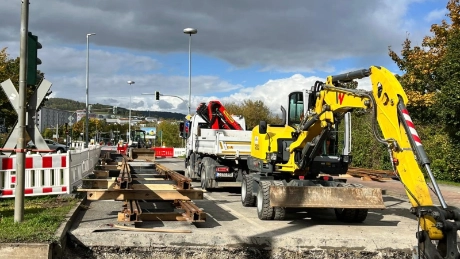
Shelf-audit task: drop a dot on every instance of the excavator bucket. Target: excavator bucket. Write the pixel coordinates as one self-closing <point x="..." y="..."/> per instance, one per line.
<point x="326" y="197"/>
<point x="142" y="154"/>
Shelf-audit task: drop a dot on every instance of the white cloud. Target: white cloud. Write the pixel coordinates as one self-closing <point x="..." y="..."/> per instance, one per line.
<point x="436" y="15"/>
<point x="293" y="37"/>
<point x="289" y="37"/>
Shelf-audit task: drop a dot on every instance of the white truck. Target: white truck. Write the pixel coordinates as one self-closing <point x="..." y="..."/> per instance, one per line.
<point x="218" y="157"/>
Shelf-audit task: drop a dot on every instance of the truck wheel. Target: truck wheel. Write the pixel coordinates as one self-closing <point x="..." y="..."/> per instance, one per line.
<point x="204" y="182"/>
<point x="189" y="170"/>
<point x="351" y="215"/>
<point x="280" y="212"/>
<point x="264" y="211"/>
<point x="247" y="198"/>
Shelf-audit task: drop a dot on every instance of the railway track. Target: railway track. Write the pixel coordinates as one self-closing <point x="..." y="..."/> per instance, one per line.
<point x="148" y="191"/>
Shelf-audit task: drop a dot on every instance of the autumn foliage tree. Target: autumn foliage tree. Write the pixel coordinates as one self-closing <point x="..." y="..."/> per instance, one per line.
<point x="431" y="80"/>
<point x="253" y="112"/>
<point x="9" y="69"/>
<point x="420" y="64"/>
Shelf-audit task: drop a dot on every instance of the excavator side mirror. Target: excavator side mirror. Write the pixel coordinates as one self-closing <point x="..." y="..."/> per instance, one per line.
<point x="262" y="127"/>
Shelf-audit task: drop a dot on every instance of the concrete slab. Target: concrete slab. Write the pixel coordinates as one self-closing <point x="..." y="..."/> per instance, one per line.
<point x="229" y="225"/>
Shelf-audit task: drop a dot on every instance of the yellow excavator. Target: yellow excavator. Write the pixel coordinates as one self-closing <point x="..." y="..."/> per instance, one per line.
<point x="293" y="165"/>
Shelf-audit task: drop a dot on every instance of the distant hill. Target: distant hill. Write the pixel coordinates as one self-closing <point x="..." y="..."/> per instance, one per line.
<point x="71" y="105"/>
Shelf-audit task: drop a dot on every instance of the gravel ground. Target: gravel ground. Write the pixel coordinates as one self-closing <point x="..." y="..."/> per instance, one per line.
<point x="77" y="252"/>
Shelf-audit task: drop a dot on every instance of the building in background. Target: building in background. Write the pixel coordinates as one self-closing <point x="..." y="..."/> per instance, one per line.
<point x="49" y="118"/>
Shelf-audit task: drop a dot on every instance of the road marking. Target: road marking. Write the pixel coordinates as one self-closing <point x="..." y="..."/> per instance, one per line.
<point x="238" y="215"/>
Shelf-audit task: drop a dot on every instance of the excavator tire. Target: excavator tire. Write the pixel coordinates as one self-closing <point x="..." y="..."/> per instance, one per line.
<point x="351" y="215"/>
<point x="280" y="212"/>
<point x="247" y="198"/>
<point x="264" y="211"/>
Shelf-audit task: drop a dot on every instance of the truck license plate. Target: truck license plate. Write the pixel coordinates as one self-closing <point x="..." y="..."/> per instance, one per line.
<point x="224" y="175"/>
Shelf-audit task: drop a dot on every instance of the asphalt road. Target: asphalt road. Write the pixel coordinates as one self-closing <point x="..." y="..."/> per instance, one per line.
<point x="230" y="225"/>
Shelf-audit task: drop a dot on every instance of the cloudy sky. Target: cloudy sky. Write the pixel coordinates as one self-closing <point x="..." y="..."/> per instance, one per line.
<point x="257" y="49"/>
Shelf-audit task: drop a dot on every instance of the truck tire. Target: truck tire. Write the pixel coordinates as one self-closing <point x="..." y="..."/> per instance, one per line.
<point x="351" y="215"/>
<point x="189" y="170"/>
<point x="280" y="212"/>
<point x="247" y="197"/>
<point x="203" y="180"/>
<point x="264" y="211"/>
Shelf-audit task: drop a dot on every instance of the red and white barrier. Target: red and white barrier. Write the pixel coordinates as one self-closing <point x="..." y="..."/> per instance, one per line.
<point x="48" y="174"/>
<point x="179" y="152"/>
<point x="163" y="152"/>
<point x="35" y="161"/>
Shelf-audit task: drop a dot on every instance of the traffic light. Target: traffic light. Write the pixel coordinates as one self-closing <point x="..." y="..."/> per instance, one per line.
<point x="157" y="95"/>
<point x="32" y="60"/>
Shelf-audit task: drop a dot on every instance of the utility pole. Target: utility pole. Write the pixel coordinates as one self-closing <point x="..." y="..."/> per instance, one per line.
<point x="20" y="151"/>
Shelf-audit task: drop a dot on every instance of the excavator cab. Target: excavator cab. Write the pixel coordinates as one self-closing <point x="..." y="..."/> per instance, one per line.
<point x="326" y="156"/>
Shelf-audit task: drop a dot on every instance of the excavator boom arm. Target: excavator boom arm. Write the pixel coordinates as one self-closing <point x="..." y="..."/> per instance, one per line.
<point x="387" y="101"/>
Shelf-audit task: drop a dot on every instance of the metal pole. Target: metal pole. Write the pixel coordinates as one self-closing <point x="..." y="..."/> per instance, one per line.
<point x="87" y="86"/>
<point x="129" y="116"/>
<point x="189" y="72"/>
<point x="20" y="152"/>
<point x="129" y="119"/>
<point x="87" y="83"/>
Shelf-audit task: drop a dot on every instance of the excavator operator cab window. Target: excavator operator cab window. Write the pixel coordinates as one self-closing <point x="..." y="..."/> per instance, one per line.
<point x="295" y="108"/>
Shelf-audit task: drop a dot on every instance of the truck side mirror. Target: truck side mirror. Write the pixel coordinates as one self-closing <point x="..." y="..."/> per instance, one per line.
<point x="262" y="127"/>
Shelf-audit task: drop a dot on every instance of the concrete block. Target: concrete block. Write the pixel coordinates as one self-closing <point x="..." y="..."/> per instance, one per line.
<point x="25" y="251"/>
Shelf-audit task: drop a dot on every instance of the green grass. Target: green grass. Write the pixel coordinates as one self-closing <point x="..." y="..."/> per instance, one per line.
<point x="42" y="217"/>
<point x="448" y="183"/>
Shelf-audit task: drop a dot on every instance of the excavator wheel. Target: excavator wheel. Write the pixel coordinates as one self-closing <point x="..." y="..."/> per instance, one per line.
<point x="247" y="198"/>
<point x="280" y="212"/>
<point x="351" y="215"/>
<point x="264" y="211"/>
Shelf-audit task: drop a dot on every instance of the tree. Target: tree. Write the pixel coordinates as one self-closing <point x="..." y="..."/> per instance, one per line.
<point x="420" y="64"/>
<point x="170" y="134"/>
<point x="253" y="112"/>
<point x="9" y="69"/>
<point x="448" y="98"/>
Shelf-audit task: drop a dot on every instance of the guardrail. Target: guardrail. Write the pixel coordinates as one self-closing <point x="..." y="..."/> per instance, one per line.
<point x="49" y="174"/>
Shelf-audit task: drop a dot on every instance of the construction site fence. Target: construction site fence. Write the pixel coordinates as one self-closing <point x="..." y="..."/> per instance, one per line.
<point x="49" y="174"/>
<point x="164" y="152"/>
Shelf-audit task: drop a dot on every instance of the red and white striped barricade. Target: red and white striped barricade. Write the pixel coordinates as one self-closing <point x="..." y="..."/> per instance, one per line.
<point x="163" y="152"/>
<point x="122" y="149"/>
<point x="44" y="175"/>
<point x="179" y="152"/>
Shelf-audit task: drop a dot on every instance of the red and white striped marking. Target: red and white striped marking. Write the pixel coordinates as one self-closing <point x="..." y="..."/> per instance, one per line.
<point x="37" y="161"/>
<point x="410" y="124"/>
<point x="7" y="193"/>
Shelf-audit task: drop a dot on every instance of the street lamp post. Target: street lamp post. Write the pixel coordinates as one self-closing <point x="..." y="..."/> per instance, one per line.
<point x="129" y="116"/>
<point x="190" y="31"/>
<point x="87" y="84"/>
